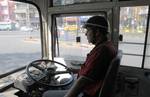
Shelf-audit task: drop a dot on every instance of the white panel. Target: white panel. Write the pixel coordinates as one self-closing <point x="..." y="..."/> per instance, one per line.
<point x="147" y="59"/>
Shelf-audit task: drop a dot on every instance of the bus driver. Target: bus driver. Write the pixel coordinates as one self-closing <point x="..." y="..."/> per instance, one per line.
<point x="92" y="72"/>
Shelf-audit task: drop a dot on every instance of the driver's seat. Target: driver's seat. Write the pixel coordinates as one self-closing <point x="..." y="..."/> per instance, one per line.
<point x="107" y="89"/>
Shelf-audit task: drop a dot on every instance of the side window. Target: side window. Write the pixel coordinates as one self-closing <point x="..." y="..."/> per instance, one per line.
<point x="19" y="35"/>
<point x="73" y="44"/>
<point x="133" y="22"/>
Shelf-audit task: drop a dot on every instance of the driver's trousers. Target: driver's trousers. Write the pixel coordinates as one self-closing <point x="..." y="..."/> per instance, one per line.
<point x="60" y="93"/>
<point x="55" y="93"/>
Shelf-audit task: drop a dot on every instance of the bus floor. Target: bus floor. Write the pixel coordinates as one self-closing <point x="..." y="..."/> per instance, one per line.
<point x="133" y="82"/>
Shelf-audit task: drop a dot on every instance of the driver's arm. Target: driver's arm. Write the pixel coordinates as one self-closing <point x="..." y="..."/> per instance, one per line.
<point x="78" y="86"/>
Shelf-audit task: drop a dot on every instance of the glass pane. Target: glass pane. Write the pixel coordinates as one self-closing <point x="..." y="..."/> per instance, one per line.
<point x="147" y="58"/>
<point x="73" y="44"/>
<point x="129" y="60"/>
<point x="133" y="27"/>
<point x="19" y="35"/>
<point x="69" y="29"/>
<point x="132" y="48"/>
<point x="68" y="2"/>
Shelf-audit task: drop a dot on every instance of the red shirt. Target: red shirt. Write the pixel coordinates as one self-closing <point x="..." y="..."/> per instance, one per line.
<point x="96" y="65"/>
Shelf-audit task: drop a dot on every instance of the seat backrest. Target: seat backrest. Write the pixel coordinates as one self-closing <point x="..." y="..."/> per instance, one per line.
<point x="107" y="89"/>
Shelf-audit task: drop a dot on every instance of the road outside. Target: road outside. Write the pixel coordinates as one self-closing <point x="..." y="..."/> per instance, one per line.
<point x="18" y="49"/>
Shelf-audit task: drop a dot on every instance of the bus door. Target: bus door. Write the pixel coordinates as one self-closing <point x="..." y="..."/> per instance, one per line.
<point x="134" y="28"/>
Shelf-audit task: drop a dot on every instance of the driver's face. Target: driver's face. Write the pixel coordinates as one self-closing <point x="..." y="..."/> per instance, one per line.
<point x="90" y="35"/>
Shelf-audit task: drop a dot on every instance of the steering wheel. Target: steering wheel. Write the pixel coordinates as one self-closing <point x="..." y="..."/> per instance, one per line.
<point x="47" y="69"/>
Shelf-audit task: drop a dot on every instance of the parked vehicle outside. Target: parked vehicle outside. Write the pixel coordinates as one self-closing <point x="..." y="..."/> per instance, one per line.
<point x="5" y="26"/>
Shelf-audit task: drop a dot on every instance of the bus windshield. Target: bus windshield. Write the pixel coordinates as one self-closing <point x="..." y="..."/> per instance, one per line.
<point x="19" y="35"/>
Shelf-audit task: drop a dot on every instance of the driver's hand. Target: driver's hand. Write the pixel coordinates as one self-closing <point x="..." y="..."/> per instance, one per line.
<point x="74" y="70"/>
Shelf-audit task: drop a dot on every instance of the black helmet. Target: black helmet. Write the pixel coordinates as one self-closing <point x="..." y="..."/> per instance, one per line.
<point x="97" y="21"/>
